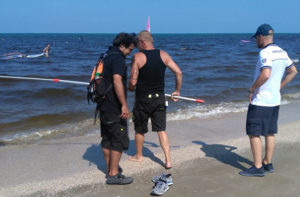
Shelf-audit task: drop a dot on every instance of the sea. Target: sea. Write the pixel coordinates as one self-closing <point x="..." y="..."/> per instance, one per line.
<point x="217" y="68"/>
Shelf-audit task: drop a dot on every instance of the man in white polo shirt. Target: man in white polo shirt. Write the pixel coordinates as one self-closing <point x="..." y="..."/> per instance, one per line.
<point x="274" y="70"/>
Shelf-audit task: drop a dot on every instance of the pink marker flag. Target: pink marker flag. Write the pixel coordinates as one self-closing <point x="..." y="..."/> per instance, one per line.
<point x="148" y="24"/>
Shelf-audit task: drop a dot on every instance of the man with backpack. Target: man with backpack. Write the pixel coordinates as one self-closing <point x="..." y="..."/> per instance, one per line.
<point x="114" y="110"/>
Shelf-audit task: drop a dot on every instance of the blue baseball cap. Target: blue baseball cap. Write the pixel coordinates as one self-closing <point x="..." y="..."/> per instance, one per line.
<point x="264" y="30"/>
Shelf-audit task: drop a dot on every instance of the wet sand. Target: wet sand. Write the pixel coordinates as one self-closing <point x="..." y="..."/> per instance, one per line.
<point x="207" y="156"/>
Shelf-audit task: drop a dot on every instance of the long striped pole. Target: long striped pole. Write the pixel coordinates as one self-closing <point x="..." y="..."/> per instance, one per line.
<point x="186" y="98"/>
<point x="86" y="83"/>
<point x="44" y="79"/>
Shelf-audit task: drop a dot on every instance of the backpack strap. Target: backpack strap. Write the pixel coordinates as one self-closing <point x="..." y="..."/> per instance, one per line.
<point x="101" y="58"/>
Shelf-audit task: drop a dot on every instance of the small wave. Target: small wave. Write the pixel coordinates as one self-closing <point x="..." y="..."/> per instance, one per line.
<point x="207" y="111"/>
<point x="252" y="53"/>
<point x="61" y="131"/>
<point x="49" y="93"/>
<point x="40" y="121"/>
<point x="291" y="96"/>
<point x="191" y="58"/>
<point x="202" y="68"/>
<point x="220" y="79"/>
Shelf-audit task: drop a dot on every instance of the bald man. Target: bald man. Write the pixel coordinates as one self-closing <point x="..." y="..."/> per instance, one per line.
<point x="147" y="79"/>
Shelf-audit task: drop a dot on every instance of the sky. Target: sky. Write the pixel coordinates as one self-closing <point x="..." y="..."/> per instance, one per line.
<point x="167" y="16"/>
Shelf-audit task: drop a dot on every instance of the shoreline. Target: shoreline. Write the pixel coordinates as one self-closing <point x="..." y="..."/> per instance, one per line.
<point x="86" y="127"/>
<point x="75" y="166"/>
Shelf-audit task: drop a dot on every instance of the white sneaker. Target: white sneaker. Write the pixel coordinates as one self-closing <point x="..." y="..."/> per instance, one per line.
<point x="160" y="188"/>
<point x="163" y="176"/>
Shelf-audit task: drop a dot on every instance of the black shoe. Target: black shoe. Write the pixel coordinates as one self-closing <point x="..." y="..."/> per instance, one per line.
<point x="253" y="171"/>
<point x="118" y="179"/>
<point x="268" y="167"/>
<point x="119" y="169"/>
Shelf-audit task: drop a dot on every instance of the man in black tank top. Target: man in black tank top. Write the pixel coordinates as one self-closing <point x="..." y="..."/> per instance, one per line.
<point x="148" y="80"/>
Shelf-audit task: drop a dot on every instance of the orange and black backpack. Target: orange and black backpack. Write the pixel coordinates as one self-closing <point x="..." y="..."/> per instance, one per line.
<point x="97" y="89"/>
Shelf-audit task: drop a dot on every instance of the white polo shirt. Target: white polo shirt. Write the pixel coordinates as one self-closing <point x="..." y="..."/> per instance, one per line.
<point x="275" y="58"/>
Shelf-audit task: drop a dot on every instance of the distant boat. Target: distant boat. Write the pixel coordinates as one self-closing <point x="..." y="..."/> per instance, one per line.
<point x="148" y="24"/>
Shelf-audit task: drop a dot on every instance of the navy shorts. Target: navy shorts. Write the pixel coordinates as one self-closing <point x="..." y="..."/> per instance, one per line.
<point x="149" y="107"/>
<point x="114" y="132"/>
<point x="262" y="121"/>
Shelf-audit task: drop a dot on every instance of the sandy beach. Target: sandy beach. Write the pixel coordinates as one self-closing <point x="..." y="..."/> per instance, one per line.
<point x="207" y="156"/>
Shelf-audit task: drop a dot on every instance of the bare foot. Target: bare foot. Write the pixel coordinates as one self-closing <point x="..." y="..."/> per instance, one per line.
<point x="168" y="165"/>
<point x="135" y="158"/>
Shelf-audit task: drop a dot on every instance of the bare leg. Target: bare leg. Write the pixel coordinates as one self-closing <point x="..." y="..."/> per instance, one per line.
<point x="164" y="142"/>
<point x="115" y="157"/>
<point x="270" y="144"/>
<point x="256" y="147"/>
<point x="139" y="142"/>
<point x="106" y="153"/>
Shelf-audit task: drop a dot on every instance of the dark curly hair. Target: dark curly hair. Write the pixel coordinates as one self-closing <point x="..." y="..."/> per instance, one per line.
<point x="125" y="39"/>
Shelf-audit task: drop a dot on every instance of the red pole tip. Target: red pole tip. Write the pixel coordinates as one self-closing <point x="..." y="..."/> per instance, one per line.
<point x="200" y="101"/>
<point x="56" y="80"/>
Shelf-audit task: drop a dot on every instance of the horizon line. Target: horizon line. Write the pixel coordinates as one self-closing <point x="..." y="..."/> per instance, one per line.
<point x="134" y="32"/>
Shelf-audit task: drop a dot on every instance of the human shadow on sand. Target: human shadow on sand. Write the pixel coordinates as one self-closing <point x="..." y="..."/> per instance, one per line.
<point x="224" y="154"/>
<point x="94" y="154"/>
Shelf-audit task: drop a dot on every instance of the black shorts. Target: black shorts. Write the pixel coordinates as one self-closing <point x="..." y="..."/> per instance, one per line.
<point x="153" y="108"/>
<point x="114" y="132"/>
<point x="262" y="121"/>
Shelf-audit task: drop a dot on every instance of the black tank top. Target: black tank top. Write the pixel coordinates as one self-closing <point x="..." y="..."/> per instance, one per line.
<point x="152" y="75"/>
